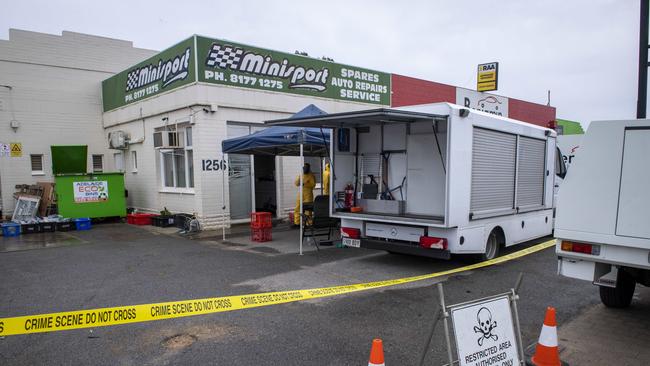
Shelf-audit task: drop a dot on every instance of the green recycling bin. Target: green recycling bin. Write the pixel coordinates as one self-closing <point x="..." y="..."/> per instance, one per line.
<point x="80" y="194"/>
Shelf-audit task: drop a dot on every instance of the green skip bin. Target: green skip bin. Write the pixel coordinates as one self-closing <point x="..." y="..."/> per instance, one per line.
<point x="81" y="194"/>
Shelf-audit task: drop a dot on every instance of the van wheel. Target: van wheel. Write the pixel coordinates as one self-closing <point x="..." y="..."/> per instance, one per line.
<point x="621" y="295"/>
<point x="491" y="247"/>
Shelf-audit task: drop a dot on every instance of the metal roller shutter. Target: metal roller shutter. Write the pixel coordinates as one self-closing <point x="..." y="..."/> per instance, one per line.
<point x="532" y="168"/>
<point x="493" y="171"/>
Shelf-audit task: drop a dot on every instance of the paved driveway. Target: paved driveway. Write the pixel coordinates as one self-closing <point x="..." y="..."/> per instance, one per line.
<point x="117" y="264"/>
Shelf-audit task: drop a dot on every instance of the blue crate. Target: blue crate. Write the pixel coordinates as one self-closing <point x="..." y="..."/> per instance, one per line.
<point x="10" y="229"/>
<point x="83" y="224"/>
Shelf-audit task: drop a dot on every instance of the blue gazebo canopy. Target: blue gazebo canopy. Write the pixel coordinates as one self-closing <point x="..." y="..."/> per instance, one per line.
<point x="282" y="140"/>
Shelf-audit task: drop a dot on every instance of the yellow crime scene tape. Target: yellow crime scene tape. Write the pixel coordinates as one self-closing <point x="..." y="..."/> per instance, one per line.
<point x="175" y="309"/>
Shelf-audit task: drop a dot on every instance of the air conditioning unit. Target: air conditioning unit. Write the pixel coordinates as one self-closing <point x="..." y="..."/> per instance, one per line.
<point x="118" y="140"/>
<point x="168" y="140"/>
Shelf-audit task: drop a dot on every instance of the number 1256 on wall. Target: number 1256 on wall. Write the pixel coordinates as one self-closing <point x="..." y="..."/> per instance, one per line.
<point x="213" y="165"/>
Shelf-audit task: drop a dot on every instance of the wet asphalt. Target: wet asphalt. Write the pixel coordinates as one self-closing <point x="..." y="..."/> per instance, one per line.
<point x="118" y="264"/>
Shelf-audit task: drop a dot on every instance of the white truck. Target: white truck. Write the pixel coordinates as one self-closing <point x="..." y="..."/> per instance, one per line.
<point x="438" y="179"/>
<point x="603" y="214"/>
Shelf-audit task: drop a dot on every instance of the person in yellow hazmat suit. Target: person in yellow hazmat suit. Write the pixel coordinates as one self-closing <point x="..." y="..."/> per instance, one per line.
<point x="326" y="180"/>
<point x="307" y="191"/>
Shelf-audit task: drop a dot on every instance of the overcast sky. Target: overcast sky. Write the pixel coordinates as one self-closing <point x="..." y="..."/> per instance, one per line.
<point x="584" y="51"/>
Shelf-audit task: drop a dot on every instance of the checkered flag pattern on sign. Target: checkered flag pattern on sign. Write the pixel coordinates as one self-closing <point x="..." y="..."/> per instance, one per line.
<point x="132" y="80"/>
<point x="224" y="56"/>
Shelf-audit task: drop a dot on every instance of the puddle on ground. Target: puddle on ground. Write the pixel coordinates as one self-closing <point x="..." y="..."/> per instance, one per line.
<point x="231" y="244"/>
<point x="38" y="241"/>
<point x="179" y="341"/>
<point x="266" y="250"/>
<point x="177" y="335"/>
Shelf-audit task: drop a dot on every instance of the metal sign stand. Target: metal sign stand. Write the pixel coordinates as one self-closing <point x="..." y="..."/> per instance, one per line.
<point x="445" y="322"/>
<point x="223" y="201"/>
<point x="443" y="312"/>
<point x="514" y="296"/>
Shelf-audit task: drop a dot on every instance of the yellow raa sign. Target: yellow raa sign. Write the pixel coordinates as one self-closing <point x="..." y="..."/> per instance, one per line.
<point x="487" y="76"/>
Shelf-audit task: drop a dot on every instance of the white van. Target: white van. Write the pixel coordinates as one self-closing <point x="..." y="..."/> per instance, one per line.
<point x="603" y="213"/>
<point x="439" y="179"/>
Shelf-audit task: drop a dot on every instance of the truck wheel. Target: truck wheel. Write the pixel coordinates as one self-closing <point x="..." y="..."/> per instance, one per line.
<point x="621" y="295"/>
<point x="491" y="247"/>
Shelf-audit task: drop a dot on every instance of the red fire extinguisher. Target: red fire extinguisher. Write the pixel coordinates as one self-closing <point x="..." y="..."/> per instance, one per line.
<point x="349" y="195"/>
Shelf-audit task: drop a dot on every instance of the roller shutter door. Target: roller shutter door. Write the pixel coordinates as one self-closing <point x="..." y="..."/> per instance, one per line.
<point x="532" y="169"/>
<point x="493" y="172"/>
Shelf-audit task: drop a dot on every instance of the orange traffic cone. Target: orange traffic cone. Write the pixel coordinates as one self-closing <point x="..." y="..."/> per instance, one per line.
<point x="376" y="353"/>
<point x="547" y="352"/>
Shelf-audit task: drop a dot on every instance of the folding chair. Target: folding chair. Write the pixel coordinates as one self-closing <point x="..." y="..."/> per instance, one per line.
<point x="319" y="223"/>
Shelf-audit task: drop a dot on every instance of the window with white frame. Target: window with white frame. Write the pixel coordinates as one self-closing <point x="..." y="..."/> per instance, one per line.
<point x="188" y="136"/>
<point x="134" y="161"/>
<point x="98" y="163"/>
<point x="177" y="164"/>
<point x="37" y="164"/>
<point x="119" y="161"/>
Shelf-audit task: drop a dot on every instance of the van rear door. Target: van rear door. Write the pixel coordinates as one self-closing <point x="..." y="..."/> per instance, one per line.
<point x="634" y="195"/>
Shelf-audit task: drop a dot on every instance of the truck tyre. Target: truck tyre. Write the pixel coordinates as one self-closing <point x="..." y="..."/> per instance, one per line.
<point x="621" y="295"/>
<point x="491" y="247"/>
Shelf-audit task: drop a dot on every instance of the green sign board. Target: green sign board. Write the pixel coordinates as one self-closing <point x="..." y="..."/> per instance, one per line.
<point x="165" y="71"/>
<point x="234" y="64"/>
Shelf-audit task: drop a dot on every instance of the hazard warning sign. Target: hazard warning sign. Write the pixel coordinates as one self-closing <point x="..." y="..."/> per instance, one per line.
<point x="485" y="332"/>
<point x="16" y="149"/>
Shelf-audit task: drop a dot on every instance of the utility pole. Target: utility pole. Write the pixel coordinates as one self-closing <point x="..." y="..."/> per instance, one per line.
<point x="643" y="61"/>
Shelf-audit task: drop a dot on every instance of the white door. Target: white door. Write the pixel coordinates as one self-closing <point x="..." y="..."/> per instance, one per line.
<point x="239" y="178"/>
<point x="634" y="196"/>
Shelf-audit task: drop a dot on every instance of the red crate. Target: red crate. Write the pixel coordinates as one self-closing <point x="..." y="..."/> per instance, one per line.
<point x="139" y="219"/>
<point x="261" y="220"/>
<point x="261" y="235"/>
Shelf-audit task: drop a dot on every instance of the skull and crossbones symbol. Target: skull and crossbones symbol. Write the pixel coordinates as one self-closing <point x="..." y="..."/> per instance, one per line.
<point x="486" y="325"/>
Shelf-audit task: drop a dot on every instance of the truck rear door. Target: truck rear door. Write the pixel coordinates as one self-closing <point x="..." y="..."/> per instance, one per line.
<point x="634" y="195"/>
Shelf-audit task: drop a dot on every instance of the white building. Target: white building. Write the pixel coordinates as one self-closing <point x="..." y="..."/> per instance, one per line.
<point x="225" y="91"/>
<point x="50" y="94"/>
<point x="167" y="113"/>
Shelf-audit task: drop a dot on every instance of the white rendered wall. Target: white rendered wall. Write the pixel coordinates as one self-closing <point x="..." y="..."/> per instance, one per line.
<point x="231" y="104"/>
<point x="145" y="186"/>
<point x="55" y="96"/>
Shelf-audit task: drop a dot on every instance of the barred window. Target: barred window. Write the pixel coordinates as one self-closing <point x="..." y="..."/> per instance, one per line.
<point x="98" y="163"/>
<point x="37" y="163"/>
